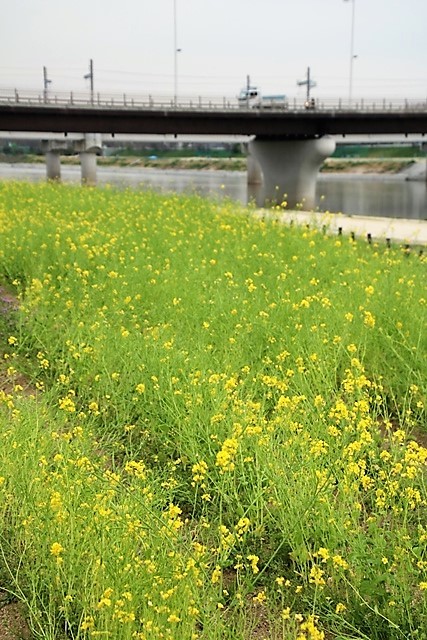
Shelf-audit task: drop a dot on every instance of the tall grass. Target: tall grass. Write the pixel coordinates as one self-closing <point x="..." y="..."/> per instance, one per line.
<point x="225" y="438"/>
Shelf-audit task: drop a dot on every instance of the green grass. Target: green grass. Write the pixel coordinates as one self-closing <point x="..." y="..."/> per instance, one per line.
<point x="378" y="151"/>
<point x="227" y="435"/>
<point x="366" y="165"/>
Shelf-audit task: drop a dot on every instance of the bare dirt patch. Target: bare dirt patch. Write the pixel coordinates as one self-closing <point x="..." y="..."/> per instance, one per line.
<point x="13" y="624"/>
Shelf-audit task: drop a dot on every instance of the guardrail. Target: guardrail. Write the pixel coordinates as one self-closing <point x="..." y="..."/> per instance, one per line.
<point x="129" y="101"/>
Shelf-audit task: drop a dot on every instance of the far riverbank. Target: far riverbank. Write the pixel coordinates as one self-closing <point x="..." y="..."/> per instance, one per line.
<point x="359" y="166"/>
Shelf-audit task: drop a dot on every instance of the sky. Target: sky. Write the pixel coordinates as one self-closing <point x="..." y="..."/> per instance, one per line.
<point x="218" y="44"/>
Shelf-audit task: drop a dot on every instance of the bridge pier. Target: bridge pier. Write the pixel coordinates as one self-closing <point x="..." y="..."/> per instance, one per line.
<point x="87" y="149"/>
<point x="88" y="167"/>
<point x="254" y="171"/>
<point x="290" y="168"/>
<point x="53" y="165"/>
<point x="52" y="150"/>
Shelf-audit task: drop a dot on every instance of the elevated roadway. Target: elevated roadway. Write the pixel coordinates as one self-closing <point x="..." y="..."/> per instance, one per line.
<point x="266" y="124"/>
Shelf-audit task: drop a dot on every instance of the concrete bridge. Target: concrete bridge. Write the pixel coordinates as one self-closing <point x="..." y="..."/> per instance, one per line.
<point x="287" y="146"/>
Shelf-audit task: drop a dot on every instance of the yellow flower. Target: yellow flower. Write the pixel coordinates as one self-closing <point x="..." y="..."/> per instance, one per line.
<point x="224" y="457"/>
<point x="216" y="575"/>
<point x="93" y="407"/>
<point x="88" y="623"/>
<point x="369" y="320"/>
<point x="199" y="470"/>
<point x="260" y="597"/>
<point x="174" y="618"/>
<point x="56" y="549"/>
<point x="340" y="562"/>
<point x="67" y="404"/>
<point x="323" y="553"/>
<point x="254" y="563"/>
<point x="242" y="526"/>
<point x="316" y="576"/>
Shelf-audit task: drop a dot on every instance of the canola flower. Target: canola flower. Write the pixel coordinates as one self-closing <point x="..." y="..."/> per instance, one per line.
<point x="233" y="413"/>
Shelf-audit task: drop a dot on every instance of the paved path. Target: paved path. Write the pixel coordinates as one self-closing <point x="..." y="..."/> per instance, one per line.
<point x="395" y="230"/>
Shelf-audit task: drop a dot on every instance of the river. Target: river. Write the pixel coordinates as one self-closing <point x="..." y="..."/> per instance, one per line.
<point x="369" y="195"/>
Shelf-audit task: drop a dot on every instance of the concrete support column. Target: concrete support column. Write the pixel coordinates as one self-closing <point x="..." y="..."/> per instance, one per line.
<point x="253" y="168"/>
<point x="290" y="168"/>
<point x="53" y="165"/>
<point x="87" y="149"/>
<point x="52" y="150"/>
<point x="88" y="167"/>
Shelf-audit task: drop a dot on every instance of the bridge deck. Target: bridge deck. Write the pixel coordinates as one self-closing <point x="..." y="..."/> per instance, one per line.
<point x="262" y="123"/>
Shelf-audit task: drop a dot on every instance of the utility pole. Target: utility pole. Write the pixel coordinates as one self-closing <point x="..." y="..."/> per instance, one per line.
<point x="176" y="50"/>
<point x="90" y="77"/>
<point x="46" y="83"/>
<point x="309" y="83"/>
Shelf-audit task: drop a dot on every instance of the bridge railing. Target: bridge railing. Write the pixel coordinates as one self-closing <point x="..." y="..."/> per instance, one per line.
<point x="223" y="103"/>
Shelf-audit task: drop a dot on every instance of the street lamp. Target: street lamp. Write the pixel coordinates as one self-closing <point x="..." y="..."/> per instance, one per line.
<point x="175" y="55"/>
<point x="352" y="56"/>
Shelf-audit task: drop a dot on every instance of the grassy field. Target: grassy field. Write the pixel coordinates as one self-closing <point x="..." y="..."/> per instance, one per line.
<point x="212" y="427"/>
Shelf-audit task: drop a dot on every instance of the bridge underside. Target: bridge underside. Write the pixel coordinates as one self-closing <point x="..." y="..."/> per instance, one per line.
<point x="284" y="124"/>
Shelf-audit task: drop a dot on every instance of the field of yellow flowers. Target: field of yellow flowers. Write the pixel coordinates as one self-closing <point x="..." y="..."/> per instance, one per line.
<point x="225" y="433"/>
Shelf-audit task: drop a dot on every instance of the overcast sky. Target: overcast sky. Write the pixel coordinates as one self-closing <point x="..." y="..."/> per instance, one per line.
<point x="132" y="46"/>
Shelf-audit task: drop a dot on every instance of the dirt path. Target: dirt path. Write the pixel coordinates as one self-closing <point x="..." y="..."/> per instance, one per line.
<point x="13" y="625"/>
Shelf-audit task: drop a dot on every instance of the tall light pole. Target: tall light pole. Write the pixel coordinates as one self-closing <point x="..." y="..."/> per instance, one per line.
<point x="352" y="56"/>
<point x="175" y="55"/>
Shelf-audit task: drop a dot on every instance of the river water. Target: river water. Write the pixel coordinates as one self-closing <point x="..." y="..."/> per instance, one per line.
<point x="368" y="195"/>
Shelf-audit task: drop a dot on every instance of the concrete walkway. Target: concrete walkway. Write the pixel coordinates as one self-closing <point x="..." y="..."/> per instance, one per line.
<point x="393" y="230"/>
